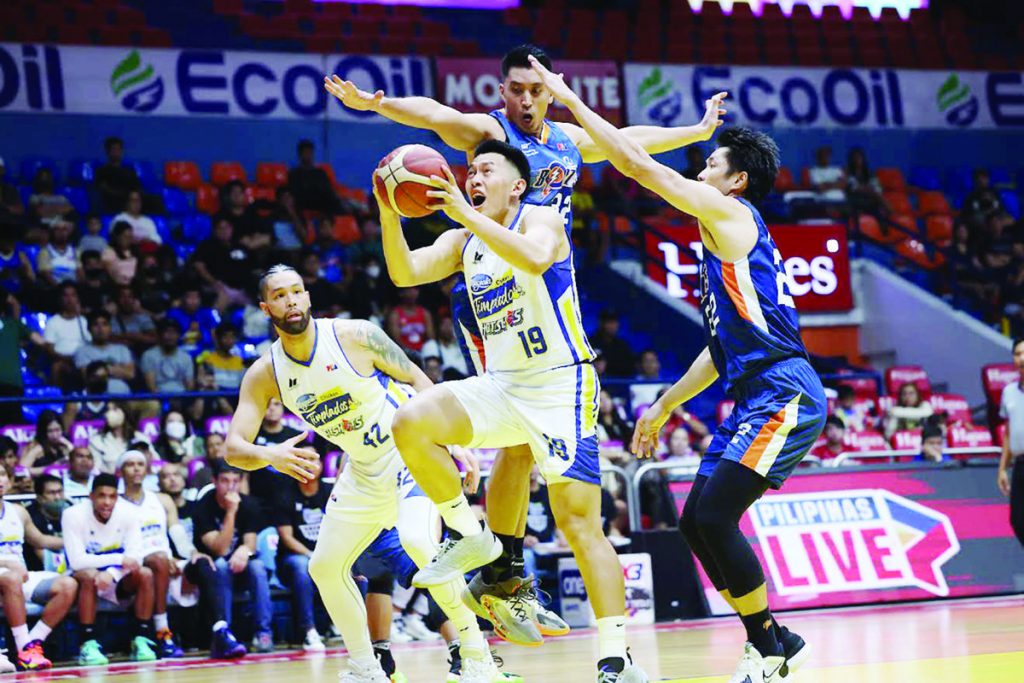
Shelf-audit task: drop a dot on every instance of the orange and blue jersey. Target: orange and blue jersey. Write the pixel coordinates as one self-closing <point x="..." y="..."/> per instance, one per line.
<point x="753" y="334"/>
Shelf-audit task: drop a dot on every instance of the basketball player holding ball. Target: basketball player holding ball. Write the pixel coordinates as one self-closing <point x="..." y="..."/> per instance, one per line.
<point x="554" y="152"/>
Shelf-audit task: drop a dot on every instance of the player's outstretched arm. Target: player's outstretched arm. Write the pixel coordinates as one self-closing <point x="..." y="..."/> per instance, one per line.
<point x="697" y="378"/>
<point x="705" y="203"/>
<point x="541" y="242"/>
<point x="388" y="357"/>
<point x="410" y="268"/>
<point x="461" y="131"/>
<point x="258" y="387"/>
<point x="656" y="139"/>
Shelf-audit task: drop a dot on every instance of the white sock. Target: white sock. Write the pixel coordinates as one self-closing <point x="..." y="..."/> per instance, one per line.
<point x="20" y="636"/>
<point x="160" y="622"/>
<point x="611" y="637"/>
<point x="39" y="632"/>
<point x="458" y="515"/>
<point x="219" y="625"/>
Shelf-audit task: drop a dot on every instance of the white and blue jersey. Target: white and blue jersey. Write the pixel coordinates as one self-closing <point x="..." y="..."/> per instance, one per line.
<point x="753" y="334"/>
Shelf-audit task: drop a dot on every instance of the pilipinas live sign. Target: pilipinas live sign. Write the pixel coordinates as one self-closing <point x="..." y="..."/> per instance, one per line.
<point x="670" y="95"/>
<point x="473" y="85"/>
<point x="169" y="82"/>
<point x="816" y="259"/>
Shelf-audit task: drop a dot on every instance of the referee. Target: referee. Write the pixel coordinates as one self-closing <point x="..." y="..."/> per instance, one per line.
<point x="1011" y="409"/>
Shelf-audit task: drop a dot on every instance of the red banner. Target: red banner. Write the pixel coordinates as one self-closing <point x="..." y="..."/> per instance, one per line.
<point x="817" y="261"/>
<point x="471" y="85"/>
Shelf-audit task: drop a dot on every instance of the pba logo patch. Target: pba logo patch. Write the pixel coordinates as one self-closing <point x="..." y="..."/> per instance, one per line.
<point x="838" y="541"/>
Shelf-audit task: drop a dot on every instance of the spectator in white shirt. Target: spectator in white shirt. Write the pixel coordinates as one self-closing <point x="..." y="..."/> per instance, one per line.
<point x="446" y="348"/>
<point x="143" y="226"/>
<point x="103" y="543"/>
<point x="827" y="179"/>
<point x="58" y="260"/>
<point x="65" y="333"/>
<point x="910" y="411"/>
<point x="78" y="478"/>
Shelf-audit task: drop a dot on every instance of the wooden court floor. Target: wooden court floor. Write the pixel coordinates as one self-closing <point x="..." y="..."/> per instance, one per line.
<point x="978" y="641"/>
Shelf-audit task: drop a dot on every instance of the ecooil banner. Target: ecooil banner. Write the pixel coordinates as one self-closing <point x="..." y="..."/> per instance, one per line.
<point x="831" y="98"/>
<point x="161" y="82"/>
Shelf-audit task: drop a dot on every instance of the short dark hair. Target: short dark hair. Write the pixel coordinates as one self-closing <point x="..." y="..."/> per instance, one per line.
<point x="756" y="154"/>
<point x="104" y="479"/>
<point x="223" y="328"/>
<point x="513" y="154"/>
<point x="166" y="324"/>
<point x="845" y="391"/>
<point x="98" y="315"/>
<point x="835" y="421"/>
<point x="95" y="365"/>
<point x="518" y="57"/>
<point x="88" y="254"/>
<point x="7" y="443"/>
<point x="42" y="480"/>
<point x="276" y="270"/>
<point x="931" y="431"/>
<point x="118" y="227"/>
<point x="230" y="185"/>
<point x="305" y="143"/>
<point x="110" y="142"/>
<point x="219" y="467"/>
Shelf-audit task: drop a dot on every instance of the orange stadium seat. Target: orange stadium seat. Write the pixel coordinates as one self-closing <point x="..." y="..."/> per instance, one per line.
<point x="929" y="203"/>
<point x="223" y="172"/>
<point x="784" y="180"/>
<point x="870" y="228"/>
<point x="939" y="229"/>
<point x="916" y="252"/>
<point x="898" y="375"/>
<point x="891" y="179"/>
<point x="207" y="199"/>
<point x="905" y="221"/>
<point x="272" y="174"/>
<point x="346" y="229"/>
<point x="183" y="175"/>
<point x="898" y="202"/>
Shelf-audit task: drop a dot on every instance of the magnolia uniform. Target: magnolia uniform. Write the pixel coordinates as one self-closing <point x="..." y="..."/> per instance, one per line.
<point x="373" y="494"/>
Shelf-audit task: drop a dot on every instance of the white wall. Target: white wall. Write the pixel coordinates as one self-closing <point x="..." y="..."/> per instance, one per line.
<point x="905" y="325"/>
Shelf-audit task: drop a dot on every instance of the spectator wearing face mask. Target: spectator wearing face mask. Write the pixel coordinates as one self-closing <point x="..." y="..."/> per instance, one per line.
<point x="368" y="289"/>
<point x="118" y="432"/>
<point x="45" y="514"/>
<point x="176" y="443"/>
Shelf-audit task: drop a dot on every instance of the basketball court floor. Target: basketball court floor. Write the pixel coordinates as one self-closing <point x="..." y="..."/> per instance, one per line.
<point x="976" y="641"/>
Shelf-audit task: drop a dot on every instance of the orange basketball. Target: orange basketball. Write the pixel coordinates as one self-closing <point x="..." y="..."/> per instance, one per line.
<point x="403" y="179"/>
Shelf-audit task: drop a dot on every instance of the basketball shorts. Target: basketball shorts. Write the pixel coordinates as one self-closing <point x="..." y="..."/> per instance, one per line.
<point x="387" y="557"/>
<point x="364" y="498"/>
<point x="554" y="411"/>
<point x="779" y="415"/>
<point x="37" y="588"/>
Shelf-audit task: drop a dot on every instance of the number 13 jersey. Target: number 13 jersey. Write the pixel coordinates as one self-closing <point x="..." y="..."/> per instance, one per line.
<point x="528" y="323"/>
<point x="750" y="319"/>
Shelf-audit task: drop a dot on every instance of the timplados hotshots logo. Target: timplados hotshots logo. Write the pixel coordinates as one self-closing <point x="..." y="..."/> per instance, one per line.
<point x="136" y="85"/>
<point x="957" y="102"/>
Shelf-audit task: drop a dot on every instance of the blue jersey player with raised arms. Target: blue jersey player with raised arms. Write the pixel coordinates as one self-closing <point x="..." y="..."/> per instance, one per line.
<point x="754" y="345"/>
<point x="554" y="152"/>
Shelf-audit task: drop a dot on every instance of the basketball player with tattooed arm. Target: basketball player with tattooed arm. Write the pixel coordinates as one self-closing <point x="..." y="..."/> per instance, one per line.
<point x="555" y="152"/>
<point x="346" y="379"/>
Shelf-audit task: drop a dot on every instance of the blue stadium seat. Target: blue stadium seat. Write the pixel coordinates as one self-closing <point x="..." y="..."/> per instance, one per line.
<point x="176" y="202"/>
<point x="34" y="321"/>
<point x="29" y="166"/>
<point x="147" y="176"/>
<point x="162" y="229"/>
<point x="107" y="221"/>
<point x="1012" y="202"/>
<point x="82" y="171"/>
<point x="926" y="178"/>
<point x="195" y="228"/>
<point x="31" y="411"/>
<point x="79" y="198"/>
<point x="25" y="191"/>
<point x="182" y="251"/>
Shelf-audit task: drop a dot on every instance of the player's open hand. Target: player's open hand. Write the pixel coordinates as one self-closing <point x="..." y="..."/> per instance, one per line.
<point x="552" y="81"/>
<point x="471" y="464"/>
<point x="449" y="198"/>
<point x="302" y="464"/>
<point x="351" y="96"/>
<point x="648" y="427"/>
<point x="714" y="110"/>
